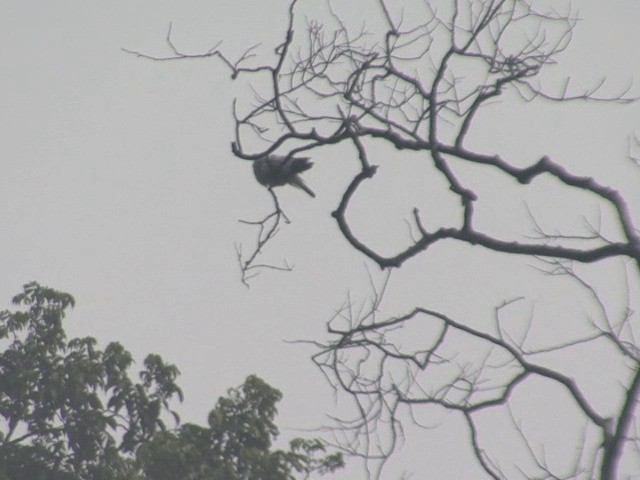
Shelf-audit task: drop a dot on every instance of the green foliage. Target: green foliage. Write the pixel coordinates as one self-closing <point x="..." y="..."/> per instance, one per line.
<point x="72" y="412"/>
<point x="236" y="445"/>
<point x="71" y="409"/>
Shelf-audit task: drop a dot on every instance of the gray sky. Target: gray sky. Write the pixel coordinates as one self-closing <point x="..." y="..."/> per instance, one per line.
<point x="118" y="186"/>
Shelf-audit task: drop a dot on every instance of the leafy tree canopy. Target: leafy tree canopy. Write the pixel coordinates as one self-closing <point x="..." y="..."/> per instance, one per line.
<point x="236" y="445"/>
<point x="72" y="411"/>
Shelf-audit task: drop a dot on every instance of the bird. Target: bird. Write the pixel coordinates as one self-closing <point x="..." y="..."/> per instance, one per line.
<point x="278" y="170"/>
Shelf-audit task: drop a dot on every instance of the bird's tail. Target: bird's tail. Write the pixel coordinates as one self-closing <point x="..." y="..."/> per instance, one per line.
<point x="299" y="164"/>
<point x="296" y="181"/>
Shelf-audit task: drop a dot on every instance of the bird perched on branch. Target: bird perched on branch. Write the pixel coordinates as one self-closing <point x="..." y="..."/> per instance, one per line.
<point x="276" y="170"/>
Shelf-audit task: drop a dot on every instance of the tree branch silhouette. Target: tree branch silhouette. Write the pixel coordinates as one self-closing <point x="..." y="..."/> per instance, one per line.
<point x="419" y="84"/>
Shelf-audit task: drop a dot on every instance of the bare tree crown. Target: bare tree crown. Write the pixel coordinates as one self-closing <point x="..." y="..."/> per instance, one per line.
<point x="417" y="79"/>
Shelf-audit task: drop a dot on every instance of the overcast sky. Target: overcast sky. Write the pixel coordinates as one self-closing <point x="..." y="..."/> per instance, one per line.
<point x="118" y="185"/>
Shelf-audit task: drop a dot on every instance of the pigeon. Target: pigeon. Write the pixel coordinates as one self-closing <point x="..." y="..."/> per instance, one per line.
<point x="276" y="170"/>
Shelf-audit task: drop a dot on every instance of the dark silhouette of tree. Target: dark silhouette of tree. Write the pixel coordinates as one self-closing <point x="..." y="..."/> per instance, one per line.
<point x="72" y="412"/>
<point x="71" y="409"/>
<point x="236" y="445"/>
<point x="417" y="80"/>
